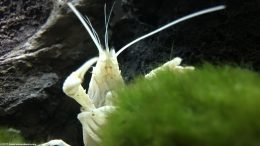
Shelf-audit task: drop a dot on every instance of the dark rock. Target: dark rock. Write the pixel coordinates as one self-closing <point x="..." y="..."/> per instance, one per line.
<point x="19" y="20"/>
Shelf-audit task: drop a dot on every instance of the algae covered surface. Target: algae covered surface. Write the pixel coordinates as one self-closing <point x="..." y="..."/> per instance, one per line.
<point x="210" y="106"/>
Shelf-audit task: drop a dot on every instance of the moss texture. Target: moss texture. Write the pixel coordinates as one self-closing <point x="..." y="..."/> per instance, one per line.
<point x="9" y="135"/>
<point x="211" y="106"/>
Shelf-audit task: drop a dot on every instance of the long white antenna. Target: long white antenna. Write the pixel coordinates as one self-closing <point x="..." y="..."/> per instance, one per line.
<point x="209" y="10"/>
<point x="107" y="22"/>
<point x="77" y="13"/>
<point x="92" y="28"/>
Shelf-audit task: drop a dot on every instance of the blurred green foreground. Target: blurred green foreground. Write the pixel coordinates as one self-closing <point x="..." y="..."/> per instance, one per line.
<point x="211" y="106"/>
<point x="9" y="135"/>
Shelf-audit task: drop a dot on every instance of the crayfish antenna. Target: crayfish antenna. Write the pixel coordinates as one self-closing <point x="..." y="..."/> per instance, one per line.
<point x="87" y="24"/>
<point x="201" y="12"/>
<point x="106" y="24"/>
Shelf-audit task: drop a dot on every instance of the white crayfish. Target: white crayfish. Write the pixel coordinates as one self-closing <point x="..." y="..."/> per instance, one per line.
<point x="106" y="77"/>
